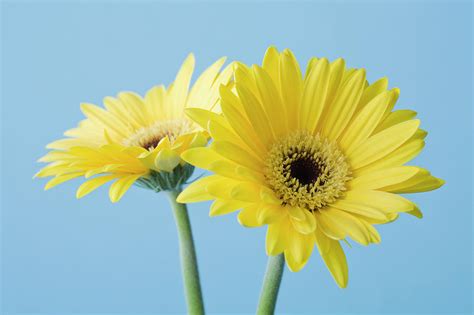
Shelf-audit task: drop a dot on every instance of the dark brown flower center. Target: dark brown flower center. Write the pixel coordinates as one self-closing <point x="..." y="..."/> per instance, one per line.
<point x="305" y="170"/>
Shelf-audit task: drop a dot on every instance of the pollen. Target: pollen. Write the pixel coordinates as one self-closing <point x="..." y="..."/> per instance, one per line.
<point x="307" y="171"/>
<point x="149" y="137"/>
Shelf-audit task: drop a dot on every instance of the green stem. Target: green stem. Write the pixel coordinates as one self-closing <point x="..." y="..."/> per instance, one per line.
<point x="271" y="285"/>
<point x="189" y="266"/>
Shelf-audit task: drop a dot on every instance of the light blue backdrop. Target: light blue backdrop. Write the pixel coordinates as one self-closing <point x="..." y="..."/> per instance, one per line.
<point x="61" y="255"/>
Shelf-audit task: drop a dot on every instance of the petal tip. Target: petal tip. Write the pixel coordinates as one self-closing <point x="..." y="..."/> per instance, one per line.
<point x="441" y="182"/>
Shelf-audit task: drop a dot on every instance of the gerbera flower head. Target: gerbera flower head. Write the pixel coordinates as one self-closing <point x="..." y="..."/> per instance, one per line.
<point x="317" y="158"/>
<point x="137" y="139"/>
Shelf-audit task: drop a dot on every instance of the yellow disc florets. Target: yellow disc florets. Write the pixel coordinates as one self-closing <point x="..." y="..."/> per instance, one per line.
<point x="307" y="171"/>
<point x="149" y="137"/>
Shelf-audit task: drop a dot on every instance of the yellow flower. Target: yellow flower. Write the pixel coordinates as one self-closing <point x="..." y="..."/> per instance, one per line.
<point x="318" y="158"/>
<point x="137" y="140"/>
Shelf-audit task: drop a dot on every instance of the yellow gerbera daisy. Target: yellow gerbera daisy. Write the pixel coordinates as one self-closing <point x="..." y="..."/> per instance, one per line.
<point x="318" y="158"/>
<point x="137" y="140"/>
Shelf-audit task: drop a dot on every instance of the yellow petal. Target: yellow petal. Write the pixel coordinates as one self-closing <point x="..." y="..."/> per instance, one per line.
<point x="345" y="223"/>
<point x="248" y="216"/>
<point x="297" y="213"/>
<point x="56" y="169"/>
<point x="155" y="100"/>
<point x="344" y="105"/>
<point x="333" y="231"/>
<point x="231" y="108"/>
<point x="299" y="250"/>
<point x="268" y="196"/>
<point x="246" y="191"/>
<point x="183" y="142"/>
<point x="201" y="157"/>
<point x="336" y="72"/>
<point x="348" y="73"/>
<point x="365" y="122"/>
<point x="135" y="108"/>
<point x="221" y="206"/>
<point x="381" y="200"/>
<point x="179" y="90"/>
<point x="92" y="184"/>
<point x="200" y="116"/>
<point x="291" y="86"/>
<point x="148" y="158"/>
<point x="225" y="168"/>
<point x="65" y="144"/>
<point x="396" y="117"/>
<point x="382" y="178"/>
<point x="120" y="187"/>
<point x="104" y="118"/>
<point x="196" y="191"/>
<point x="60" y="179"/>
<point x="391" y="104"/>
<point x="243" y="75"/>
<point x="268" y="213"/>
<point x="251" y="175"/>
<point x="421" y="182"/>
<point x="271" y="64"/>
<point x="372" y="91"/>
<point x="201" y="88"/>
<point x="310" y="66"/>
<point x="278" y="234"/>
<point x="104" y="169"/>
<point x="129" y="152"/>
<point x="53" y="156"/>
<point x="222" y="188"/>
<point x="120" y="109"/>
<point x="420" y="134"/>
<point x="255" y="113"/>
<point x="338" y="67"/>
<point x="166" y="160"/>
<point x="221" y="133"/>
<point x="199" y="139"/>
<point x="383" y="143"/>
<point x="314" y="95"/>
<point x="390" y="217"/>
<point x="374" y="236"/>
<point x="334" y="258"/>
<point x="224" y="79"/>
<point x="271" y="102"/>
<point x="237" y="154"/>
<point x="359" y="208"/>
<point x="306" y="226"/>
<point x="400" y="156"/>
<point x="416" y="212"/>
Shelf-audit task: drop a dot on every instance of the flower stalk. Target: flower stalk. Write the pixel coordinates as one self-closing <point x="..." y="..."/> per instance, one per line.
<point x="189" y="267"/>
<point x="271" y="285"/>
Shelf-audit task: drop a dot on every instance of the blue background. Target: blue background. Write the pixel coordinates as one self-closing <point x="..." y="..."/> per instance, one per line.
<point x="62" y="255"/>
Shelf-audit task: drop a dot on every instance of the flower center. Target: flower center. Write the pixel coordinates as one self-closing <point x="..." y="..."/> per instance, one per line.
<point x="306" y="171"/>
<point x="149" y="137"/>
